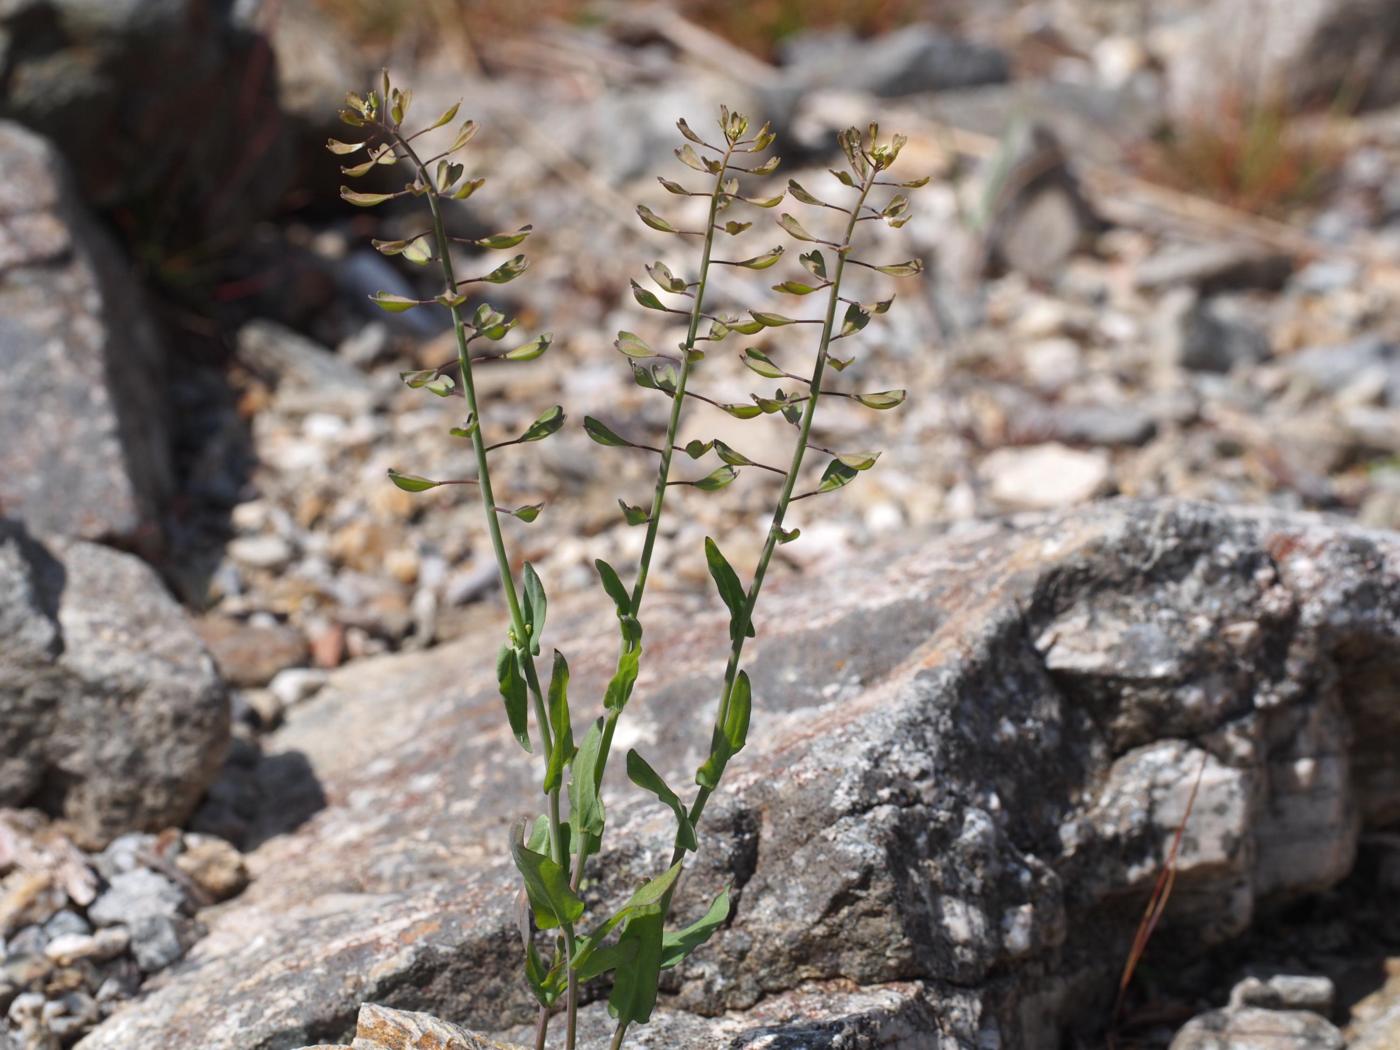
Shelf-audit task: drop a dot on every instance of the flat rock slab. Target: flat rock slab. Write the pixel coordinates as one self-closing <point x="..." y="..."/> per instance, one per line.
<point x="967" y="763"/>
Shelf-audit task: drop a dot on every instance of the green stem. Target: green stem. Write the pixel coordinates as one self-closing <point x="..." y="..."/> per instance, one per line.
<point x="519" y="628"/>
<point x="663" y="471"/>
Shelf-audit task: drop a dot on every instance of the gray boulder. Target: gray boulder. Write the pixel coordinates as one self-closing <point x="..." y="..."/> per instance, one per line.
<point x="111" y="713"/>
<point x="967" y="764"/>
<point x="84" y="422"/>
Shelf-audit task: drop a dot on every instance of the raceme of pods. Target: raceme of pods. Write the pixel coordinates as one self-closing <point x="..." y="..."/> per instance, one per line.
<point x="630" y="947"/>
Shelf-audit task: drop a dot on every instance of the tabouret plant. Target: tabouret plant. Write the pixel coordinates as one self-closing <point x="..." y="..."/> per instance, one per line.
<point x="630" y="947"/>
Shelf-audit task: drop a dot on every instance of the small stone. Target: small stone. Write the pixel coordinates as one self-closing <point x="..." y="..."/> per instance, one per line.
<point x="66" y="923"/>
<point x="159" y="940"/>
<point x="1252" y="1028"/>
<point x="70" y="1015"/>
<point x="28" y="897"/>
<point x="1217" y="266"/>
<point x="1110" y="425"/>
<point x="251" y="654"/>
<point x="26" y="1008"/>
<point x="261" y="552"/>
<point x="1043" y="476"/>
<point x="1217" y="335"/>
<point x="124" y="853"/>
<point x="365" y="347"/>
<point x="1286" y="991"/>
<point x="296" y="684"/>
<point x="136" y="895"/>
<point x="214" y="866"/>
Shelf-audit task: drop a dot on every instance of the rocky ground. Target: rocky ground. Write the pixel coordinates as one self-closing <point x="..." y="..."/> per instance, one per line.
<point x="192" y="377"/>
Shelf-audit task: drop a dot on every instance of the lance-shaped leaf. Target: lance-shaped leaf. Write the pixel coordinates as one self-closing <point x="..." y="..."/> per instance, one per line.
<point x="562" y="749"/>
<point x="688" y="133"/>
<point x="731" y="456"/>
<point x="648" y="779"/>
<point x="798" y="288"/>
<point x="531" y="350"/>
<point x="395" y="304"/>
<point x="412" y="482"/>
<point x="602" y="435"/>
<point x="646" y="899"/>
<point x="671" y="186"/>
<point x="632" y="345"/>
<point x="445" y="118"/>
<point x="364" y="200"/>
<point x="770" y="320"/>
<point x="511" y="681"/>
<point x="656" y="222"/>
<point x="728" y="739"/>
<point x="814" y="263"/>
<point x="545" y="424"/>
<point x="761" y="262"/>
<point x="665" y="279"/>
<point x="731" y="591"/>
<point x="795" y="228"/>
<point x="742" y="411"/>
<point x="649" y="299"/>
<point x="467" y="188"/>
<point x="343" y="148"/>
<point x="619" y="689"/>
<point x="715" y="479"/>
<point x="585" y="804"/>
<point x="635" y="980"/>
<point x="836" y="475"/>
<point x="904" y="269"/>
<point x="547" y="886"/>
<point x="678" y="945"/>
<point x="534" y="607"/>
<point x="527" y="513"/>
<point x="634" y="515"/>
<point x="655" y="374"/>
<point x="759" y="362"/>
<point x="508" y="270"/>
<point x="856" y="318"/>
<point x="881" y="399"/>
<point x="429" y="379"/>
<point x="499" y="241"/>
<point x="612" y="583"/>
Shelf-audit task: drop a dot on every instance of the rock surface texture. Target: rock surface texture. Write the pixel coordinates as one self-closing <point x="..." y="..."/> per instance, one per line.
<point x="84" y="444"/>
<point x="111" y="713"/>
<point x="967" y="763"/>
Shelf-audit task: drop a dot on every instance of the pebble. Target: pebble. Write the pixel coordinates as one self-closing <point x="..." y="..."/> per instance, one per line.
<point x="295" y="684"/>
<point x="213" y="865"/>
<point x="1042" y="477"/>
<point x="261" y="552"/>
<point x="136" y="895"/>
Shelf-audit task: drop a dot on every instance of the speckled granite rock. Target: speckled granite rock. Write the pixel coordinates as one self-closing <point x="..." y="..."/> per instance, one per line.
<point x="967" y="762"/>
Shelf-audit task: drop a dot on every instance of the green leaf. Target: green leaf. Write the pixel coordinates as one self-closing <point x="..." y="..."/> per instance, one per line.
<point x="599" y="961"/>
<point x="562" y="751"/>
<point x="645" y="900"/>
<point x="759" y="362"/>
<point x="547" y="886"/>
<point x="508" y="270"/>
<point x="429" y="379"/>
<point x="836" y="475"/>
<point x="466" y="430"/>
<point x="547" y="986"/>
<point x="585" y="804"/>
<point x="734" y="228"/>
<point x="412" y="482"/>
<point x="716" y="479"/>
<point x="634" y="981"/>
<point x="419" y="251"/>
<point x="655" y="374"/>
<point x="632" y="345"/>
<point x="653" y="220"/>
<point x="731" y="456"/>
<point x="843" y="177"/>
<point x="767" y="167"/>
<point x="904" y="269"/>
<point x="856" y="318"/>
<point x="687" y="156"/>
<point x="729" y="739"/>
<point x="613" y="585"/>
<point x="914" y="184"/>
<point x="742" y="411"/>
<point x="648" y="779"/>
<point x="814" y="263"/>
<point x="763" y="202"/>
<point x="881" y="399"/>
<point x="446" y="118"/>
<point x="512" y="685"/>
<point x="677" y="946"/>
<point x="647" y="299"/>
<point x="797" y="288"/>
<point x="788" y="535"/>
<point x="394" y="304"/>
<point x="546" y="423"/>
<point x="665" y="279"/>
<point x="364" y="200"/>
<point x="769" y="320"/>
<point x="762" y="262"/>
<point x="531" y="350"/>
<point x="634" y="515"/>
<point x="619" y="689"/>
<point x="499" y="241"/>
<point x="731" y="591"/>
<point x="695" y="448"/>
<point x="795" y="188"/>
<point x="536" y="605"/>
<point x="467" y="188"/>
<point x="795" y="228"/>
<point x="602" y="435"/>
<point x="342" y="148"/>
<point x="527" y="513"/>
<point x="465" y="134"/>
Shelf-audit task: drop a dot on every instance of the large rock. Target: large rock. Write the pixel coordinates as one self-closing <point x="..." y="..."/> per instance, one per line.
<point x="84" y="443"/>
<point x="167" y="107"/>
<point x="967" y="764"/>
<point x="111" y="713"/>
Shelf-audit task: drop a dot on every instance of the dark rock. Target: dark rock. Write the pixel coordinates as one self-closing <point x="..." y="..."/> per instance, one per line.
<point x="1217" y="266"/>
<point x="114" y="716"/>
<point x="1216" y="336"/>
<point x="967" y="764"/>
<point x="1332" y="369"/>
<point x="909" y="61"/>
<point x="84" y="447"/>
<point x="166" y="106"/>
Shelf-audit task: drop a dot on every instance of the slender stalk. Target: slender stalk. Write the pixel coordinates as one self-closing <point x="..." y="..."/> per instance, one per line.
<point x="663" y="470"/>
<point x="493" y="526"/>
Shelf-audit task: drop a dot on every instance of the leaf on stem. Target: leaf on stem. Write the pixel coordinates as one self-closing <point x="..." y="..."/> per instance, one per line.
<point x="634" y="515"/>
<point x="511" y="681"/>
<point x="677" y="946"/>
<point x="562" y="750"/>
<point x="760" y="362"/>
<point x="508" y="270"/>
<point x="364" y="200"/>
<point x="585" y="804"/>
<point x="761" y="262"/>
<point x="728" y="740"/>
<point x="881" y="399"/>
<point x="632" y="345"/>
<point x="547" y="886"/>
<point x="536" y="605"/>
<point x="716" y="479"/>
<point x="531" y="350"/>
<point x="648" y="779"/>
<point x="619" y="689"/>
<point x="546" y="423"/>
<point x="656" y="222"/>
<point x="412" y="482"/>
<point x="731" y="591"/>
